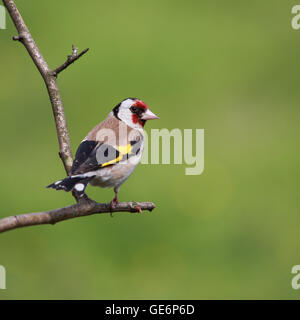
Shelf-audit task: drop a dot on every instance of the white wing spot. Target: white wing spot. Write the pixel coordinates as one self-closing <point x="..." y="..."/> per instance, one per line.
<point x="57" y="182"/>
<point x="79" y="186"/>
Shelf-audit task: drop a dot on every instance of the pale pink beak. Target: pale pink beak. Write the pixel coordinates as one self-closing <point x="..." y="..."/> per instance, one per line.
<point x="149" y="115"/>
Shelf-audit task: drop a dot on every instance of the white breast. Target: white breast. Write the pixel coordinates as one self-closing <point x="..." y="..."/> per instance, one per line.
<point x="115" y="175"/>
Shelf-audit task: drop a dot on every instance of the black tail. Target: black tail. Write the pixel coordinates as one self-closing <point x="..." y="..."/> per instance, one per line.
<point x="69" y="183"/>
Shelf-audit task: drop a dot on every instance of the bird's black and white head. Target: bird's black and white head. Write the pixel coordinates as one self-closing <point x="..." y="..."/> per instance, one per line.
<point x="133" y="112"/>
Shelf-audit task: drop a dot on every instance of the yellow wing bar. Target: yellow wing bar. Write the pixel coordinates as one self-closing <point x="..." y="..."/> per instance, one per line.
<point x="123" y="150"/>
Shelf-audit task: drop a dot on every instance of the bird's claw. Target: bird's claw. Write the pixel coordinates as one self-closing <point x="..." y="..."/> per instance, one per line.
<point x="112" y="205"/>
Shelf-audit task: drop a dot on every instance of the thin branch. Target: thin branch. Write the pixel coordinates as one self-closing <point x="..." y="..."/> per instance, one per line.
<point x="25" y="37"/>
<point x="84" y="206"/>
<point x="70" y="59"/>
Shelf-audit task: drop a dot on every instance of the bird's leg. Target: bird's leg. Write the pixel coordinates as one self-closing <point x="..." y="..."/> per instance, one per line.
<point x="114" y="201"/>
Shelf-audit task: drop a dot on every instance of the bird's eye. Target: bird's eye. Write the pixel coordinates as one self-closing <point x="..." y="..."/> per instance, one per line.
<point x="134" y="109"/>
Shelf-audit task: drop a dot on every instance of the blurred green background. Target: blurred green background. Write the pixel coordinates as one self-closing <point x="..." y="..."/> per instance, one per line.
<point x="228" y="67"/>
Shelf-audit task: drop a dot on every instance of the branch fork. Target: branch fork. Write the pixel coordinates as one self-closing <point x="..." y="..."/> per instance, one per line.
<point x="84" y="205"/>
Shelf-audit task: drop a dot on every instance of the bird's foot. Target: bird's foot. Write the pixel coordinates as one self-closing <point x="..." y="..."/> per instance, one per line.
<point x="112" y="205"/>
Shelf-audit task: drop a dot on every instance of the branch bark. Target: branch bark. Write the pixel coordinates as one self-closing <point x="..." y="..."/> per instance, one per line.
<point x="84" y="206"/>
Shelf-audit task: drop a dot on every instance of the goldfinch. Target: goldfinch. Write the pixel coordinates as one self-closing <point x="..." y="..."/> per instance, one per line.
<point x="108" y="155"/>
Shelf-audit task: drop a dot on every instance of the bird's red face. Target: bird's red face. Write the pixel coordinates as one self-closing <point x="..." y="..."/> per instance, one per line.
<point x="141" y="113"/>
<point x="134" y="112"/>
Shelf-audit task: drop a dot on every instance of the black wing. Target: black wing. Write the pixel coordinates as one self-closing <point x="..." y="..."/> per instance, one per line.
<point x="82" y="154"/>
<point x="92" y="155"/>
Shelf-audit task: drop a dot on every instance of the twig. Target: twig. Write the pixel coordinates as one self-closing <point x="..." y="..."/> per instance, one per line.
<point x="84" y="206"/>
<point x="71" y="59"/>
